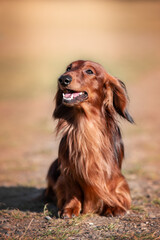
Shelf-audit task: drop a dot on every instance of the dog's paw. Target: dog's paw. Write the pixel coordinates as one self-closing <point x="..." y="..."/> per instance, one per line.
<point x="67" y="213"/>
<point x="114" y="212"/>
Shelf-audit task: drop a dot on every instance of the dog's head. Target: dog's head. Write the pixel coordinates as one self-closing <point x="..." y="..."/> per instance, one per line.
<point x="86" y="82"/>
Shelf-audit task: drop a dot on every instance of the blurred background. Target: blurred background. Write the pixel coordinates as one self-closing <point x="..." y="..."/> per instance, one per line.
<point x="37" y="40"/>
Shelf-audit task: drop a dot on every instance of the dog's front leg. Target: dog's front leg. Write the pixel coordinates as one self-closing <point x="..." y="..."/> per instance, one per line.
<point x="122" y="193"/>
<point x="69" y="197"/>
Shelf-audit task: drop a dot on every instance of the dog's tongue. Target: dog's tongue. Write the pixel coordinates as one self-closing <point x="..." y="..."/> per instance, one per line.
<point x="69" y="95"/>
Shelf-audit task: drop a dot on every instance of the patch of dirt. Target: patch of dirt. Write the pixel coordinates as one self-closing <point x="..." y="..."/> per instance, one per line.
<point x="26" y="217"/>
<point x="31" y="149"/>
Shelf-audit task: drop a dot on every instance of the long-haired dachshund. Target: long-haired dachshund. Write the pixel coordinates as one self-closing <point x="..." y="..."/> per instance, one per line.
<point x="87" y="176"/>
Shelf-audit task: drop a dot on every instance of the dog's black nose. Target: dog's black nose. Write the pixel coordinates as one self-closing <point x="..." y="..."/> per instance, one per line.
<point x="65" y="80"/>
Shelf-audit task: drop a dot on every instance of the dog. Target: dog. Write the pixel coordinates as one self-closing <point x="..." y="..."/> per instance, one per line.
<point x="86" y="177"/>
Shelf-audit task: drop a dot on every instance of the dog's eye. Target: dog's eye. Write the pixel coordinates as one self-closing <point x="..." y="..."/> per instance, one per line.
<point x="89" y="71"/>
<point x="68" y="69"/>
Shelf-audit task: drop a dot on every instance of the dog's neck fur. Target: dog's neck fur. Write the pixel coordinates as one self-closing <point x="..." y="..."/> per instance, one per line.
<point x="85" y="137"/>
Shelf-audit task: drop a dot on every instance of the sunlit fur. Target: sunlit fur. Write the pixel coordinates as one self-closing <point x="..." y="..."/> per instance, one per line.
<point x="87" y="176"/>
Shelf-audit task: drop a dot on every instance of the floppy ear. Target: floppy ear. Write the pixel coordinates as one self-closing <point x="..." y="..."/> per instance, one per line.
<point x="61" y="111"/>
<point x="58" y="103"/>
<point x="119" y="97"/>
<point x="58" y="97"/>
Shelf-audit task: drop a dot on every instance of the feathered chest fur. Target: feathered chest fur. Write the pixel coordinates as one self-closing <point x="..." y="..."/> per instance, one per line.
<point x="87" y="149"/>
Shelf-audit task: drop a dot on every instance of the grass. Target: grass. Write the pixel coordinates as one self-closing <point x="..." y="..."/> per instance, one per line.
<point x="146" y="236"/>
<point x="46" y="210"/>
<point x="156" y="202"/>
<point x="65" y="229"/>
<point x="17" y="214"/>
<point x="63" y="233"/>
<point x="111" y="226"/>
<point x="139" y="209"/>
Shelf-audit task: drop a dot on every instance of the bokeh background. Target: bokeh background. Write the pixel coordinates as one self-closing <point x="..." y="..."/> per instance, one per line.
<point x="37" y="40"/>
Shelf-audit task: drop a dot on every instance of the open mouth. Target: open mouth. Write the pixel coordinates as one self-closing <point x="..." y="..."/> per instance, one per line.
<point x="74" y="97"/>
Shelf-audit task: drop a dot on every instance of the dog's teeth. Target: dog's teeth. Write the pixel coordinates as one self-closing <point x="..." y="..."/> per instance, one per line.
<point x="67" y="98"/>
<point x="70" y="96"/>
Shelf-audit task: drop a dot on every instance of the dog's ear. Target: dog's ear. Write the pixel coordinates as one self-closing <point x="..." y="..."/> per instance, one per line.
<point x="58" y="103"/>
<point x="61" y="111"/>
<point x="58" y="97"/>
<point x="117" y="97"/>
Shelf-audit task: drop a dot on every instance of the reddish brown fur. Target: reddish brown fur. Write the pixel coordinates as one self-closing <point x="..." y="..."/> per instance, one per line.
<point x="87" y="176"/>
